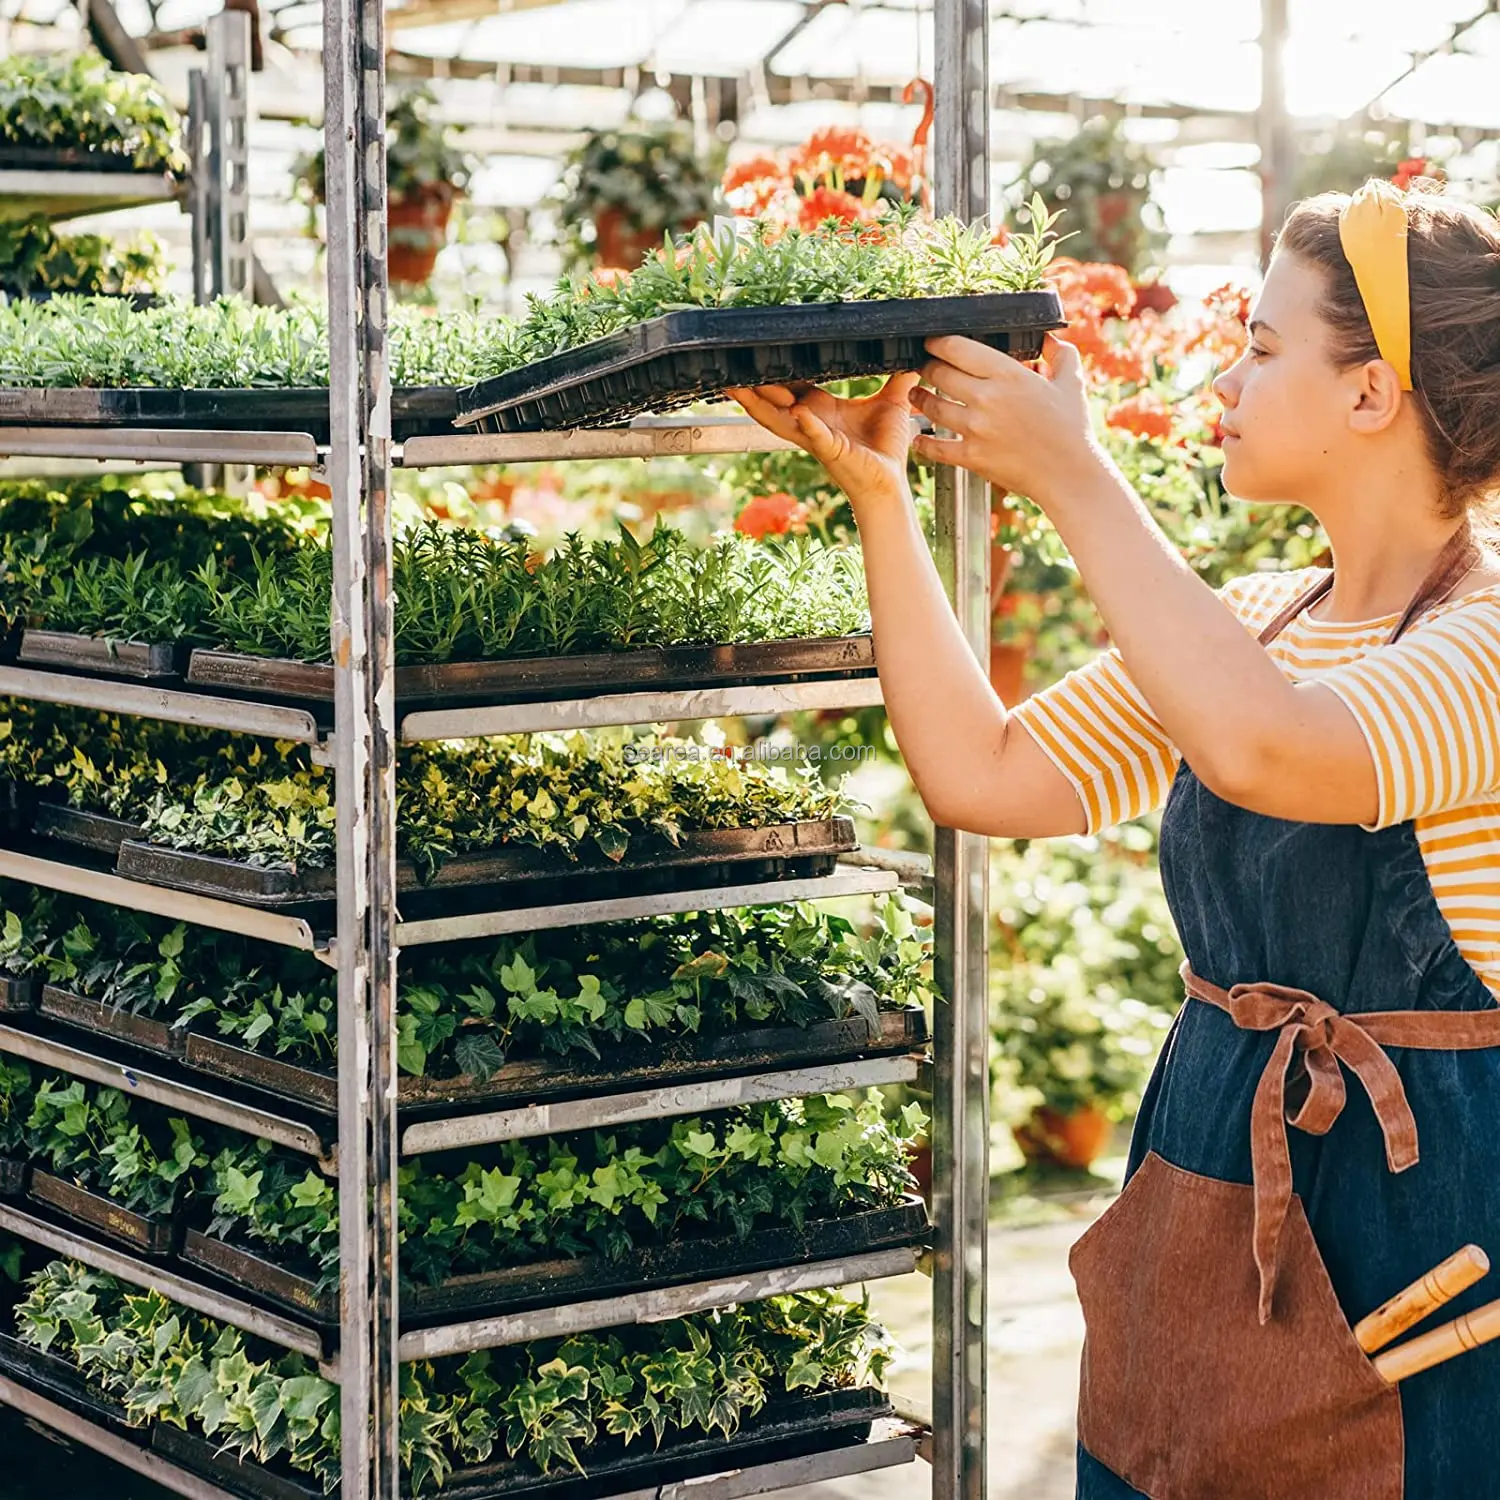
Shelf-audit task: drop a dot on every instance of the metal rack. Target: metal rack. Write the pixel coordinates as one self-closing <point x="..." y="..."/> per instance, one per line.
<point x="368" y="932"/>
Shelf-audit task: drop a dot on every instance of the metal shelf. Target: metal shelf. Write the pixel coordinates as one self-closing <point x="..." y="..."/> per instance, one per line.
<point x="531" y="1120"/>
<point x="137" y="895"/>
<point x="655" y="1306"/>
<point x="111" y="1445"/>
<point x="176" y="707"/>
<point x="190" y="1098"/>
<point x="156" y="1277"/>
<point x="645" y="437"/>
<point x="58" y="195"/>
<point x="844" y="882"/>
<point x="639" y="708"/>
<point x="160" y="445"/>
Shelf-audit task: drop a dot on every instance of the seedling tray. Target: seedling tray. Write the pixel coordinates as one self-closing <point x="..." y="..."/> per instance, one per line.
<point x="252" y="1271"/>
<point x="70" y="159"/>
<point x="18" y="996"/>
<point x="531" y="1079"/>
<point x="89" y="830"/>
<point x="817" y="842"/>
<point x="53" y="1376"/>
<point x="99" y="1019"/>
<point x="144" y="1235"/>
<point x="526" y="677"/>
<point x="137" y="660"/>
<point x="786" y="1427"/>
<point x="416" y="411"/>
<point x="681" y="357"/>
<point x="13" y="1177"/>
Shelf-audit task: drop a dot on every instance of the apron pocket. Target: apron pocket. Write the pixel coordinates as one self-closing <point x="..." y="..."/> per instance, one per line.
<point x="1184" y="1393"/>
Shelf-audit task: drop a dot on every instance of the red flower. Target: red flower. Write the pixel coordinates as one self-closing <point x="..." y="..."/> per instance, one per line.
<point x="1413" y="167"/>
<point x="1144" y="414"/>
<point x="772" y="515"/>
<point x="829" y="203"/>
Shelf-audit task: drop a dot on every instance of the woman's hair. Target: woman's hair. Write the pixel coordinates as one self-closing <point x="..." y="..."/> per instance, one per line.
<point x="1453" y="260"/>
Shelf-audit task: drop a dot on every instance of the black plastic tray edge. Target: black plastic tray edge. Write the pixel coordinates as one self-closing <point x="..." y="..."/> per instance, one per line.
<point x="118" y="1025"/>
<point x="52" y="1376"/>
<point x="153" y="1237"/>
<point x="14" y="1176"/>
<point x="319" y="1091"/>
<point x="737" y="664"/>
<point x="255" y="1272"/>
<point x="88" y="830"/>
<point x="16" y="158"/>
<point x="18" y="996"/>
<point x="131" y="661"/>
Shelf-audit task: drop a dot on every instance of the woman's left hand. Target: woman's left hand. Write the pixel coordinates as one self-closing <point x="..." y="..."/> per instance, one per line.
<point x="1025" y="432"/>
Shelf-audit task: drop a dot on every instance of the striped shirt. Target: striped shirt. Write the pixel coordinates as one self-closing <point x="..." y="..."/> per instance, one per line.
<point x="1428" y="706"/>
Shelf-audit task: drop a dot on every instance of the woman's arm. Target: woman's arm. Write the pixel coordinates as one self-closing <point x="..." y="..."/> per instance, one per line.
<point x="974" y="767"/>
<point x="1289" y="750"/>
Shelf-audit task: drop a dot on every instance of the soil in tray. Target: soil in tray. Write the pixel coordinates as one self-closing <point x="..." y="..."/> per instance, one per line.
<point x="784" y="1428"/>
<point x="52" y="1376"/>
<point x="679" y="357"/>
<point x="704" y="1056"/>
<point x="137" y="660"/>
<point x="529" y="677"/>
<point x="813" y="843"/>
<point x="94" y="1016"/>
<point x="144" y="1235"/>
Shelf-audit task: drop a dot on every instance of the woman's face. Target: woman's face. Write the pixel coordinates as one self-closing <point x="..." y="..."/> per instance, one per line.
<point x="1286" y="405"/>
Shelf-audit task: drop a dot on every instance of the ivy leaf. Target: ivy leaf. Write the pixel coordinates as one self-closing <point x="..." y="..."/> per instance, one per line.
<point x="477" y="1054"/>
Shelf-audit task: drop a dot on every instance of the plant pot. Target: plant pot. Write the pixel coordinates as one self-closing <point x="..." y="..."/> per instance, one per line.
<point x="618" y="244"/>
<point x="417" y="229"/>
<point x="1008" y="671"/>
<point x="1071" y="1140"/>
<point x="920" y="1163"/>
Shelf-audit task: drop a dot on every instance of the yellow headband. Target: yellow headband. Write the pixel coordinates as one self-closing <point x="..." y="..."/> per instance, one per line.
<point x="1372" y="230"/>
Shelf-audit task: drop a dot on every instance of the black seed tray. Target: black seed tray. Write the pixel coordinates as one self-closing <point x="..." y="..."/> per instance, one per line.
<point x="416" y="411"/>
<point x="681" y="357"/>
<point x="787" y="1427"/>
<point x="89" y="830"/>
<point x="52" y="1376"/>
<point x="99" y="1019"/>
<point x="601" y="671"/>
<point x="144" y="1235"/>
<point x="70" y="159"/>
<point x="17" y="806"/>
<point x="18" y="996"/>
<point x="252" y="1271"/>
<point x="678" y="1061"/>
<point x="13" y="1177"/>
<point x="137" y="660"/>
<point x="814" y="841"/>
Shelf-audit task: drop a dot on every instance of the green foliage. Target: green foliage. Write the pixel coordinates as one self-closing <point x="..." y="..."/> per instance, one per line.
<point x="140" y="1157"/>
<point x="34" y="258"/>
<point x="769" y="267"/>
<point x="1087" y="980"/>
<point x="16" y="1095"/>
<point x="82" y="103"/>
<point x="126" y="599"/>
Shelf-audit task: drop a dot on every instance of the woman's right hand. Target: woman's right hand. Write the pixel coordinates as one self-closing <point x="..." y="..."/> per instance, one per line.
<point x="862" y="442"/>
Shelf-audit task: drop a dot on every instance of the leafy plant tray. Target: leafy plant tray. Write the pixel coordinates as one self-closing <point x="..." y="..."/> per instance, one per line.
<point x="145" y="1235"/>
<point x="682" y="356"/>
<point x="601" y="671"/>
<point x="89" y="830"/>
<point x="815" y="841"/>
<point x="762" y="1047"/>
<point x="138" y="660"/>
<point x="94" y="1016"/>
<point x="785" y="1427"/>
<point x="573" y="1279"/>
<point x="18" y="996"/>
<point x="416" y="411"/>
<point x="13" y="1177"/>
<point x="52" y="1376"/>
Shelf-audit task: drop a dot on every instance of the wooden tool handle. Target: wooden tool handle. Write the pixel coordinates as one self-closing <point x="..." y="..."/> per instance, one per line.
<point x="1429" y="1349"/>
<point x="1441" y="1284"/>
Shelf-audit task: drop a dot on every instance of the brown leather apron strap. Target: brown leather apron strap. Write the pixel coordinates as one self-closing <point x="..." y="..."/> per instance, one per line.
<point x="1325" y="1038"/>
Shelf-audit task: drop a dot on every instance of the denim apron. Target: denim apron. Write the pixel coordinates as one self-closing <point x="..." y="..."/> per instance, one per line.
<point x="1220" y="1290"/>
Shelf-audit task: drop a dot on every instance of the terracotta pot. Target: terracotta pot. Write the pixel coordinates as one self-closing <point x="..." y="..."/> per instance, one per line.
<point x="1073" y="1140"/>
<point x="1008" y="671"/>
<point x="920" y="1163"/>
<point x="416" y="230"/>
<point x="618" y="245"/>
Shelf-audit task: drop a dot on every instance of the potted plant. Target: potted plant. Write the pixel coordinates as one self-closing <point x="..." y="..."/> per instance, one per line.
<point x="425" y="175"/>
<point x="1102" y="182"/>
<point x="622" y="190"/>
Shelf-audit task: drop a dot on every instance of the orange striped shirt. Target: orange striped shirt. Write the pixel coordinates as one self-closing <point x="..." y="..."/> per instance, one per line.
<point x="1428" y="706"/>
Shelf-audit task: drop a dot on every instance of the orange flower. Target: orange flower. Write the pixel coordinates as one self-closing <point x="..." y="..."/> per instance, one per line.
<point x="829" y="203"/>
<point x="756" y="170"/>
<point x="1145" y="414"/>
<point x="772" y="515"/>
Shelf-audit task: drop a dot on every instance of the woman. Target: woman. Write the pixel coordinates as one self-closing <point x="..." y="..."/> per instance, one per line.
<point x="1330" y="845"/>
